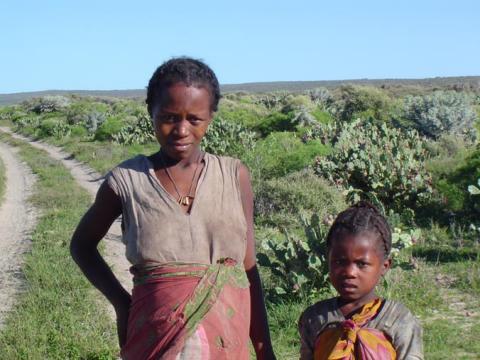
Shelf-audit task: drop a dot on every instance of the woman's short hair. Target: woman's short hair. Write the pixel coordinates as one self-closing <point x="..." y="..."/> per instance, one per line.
<point x="186" y="70"/>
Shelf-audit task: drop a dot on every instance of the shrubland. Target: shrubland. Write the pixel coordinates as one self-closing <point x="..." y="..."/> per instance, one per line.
<point x="411" y="152"/>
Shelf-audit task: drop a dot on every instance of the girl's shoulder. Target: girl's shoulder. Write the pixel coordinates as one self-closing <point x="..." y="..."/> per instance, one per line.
<point x="316" y="316"/>
<point x="403" y="328"/>
<point x="394" y="312"/>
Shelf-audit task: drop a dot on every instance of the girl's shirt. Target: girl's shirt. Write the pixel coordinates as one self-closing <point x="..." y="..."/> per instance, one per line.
<point x="393" y="319"/>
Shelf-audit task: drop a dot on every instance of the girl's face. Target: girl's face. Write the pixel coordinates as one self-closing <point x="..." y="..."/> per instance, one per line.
<point x="356" y="264"/>
<point x="180" y="119"/>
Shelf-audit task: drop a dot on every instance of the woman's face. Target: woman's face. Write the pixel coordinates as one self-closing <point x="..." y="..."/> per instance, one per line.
<point x="180" y="120"/>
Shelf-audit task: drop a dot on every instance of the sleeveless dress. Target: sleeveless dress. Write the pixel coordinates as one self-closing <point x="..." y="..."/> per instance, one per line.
<point x="191" y="295"/>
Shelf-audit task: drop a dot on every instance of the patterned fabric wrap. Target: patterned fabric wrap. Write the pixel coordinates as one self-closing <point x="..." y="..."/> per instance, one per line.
<point x="171" y="302"/>
<point x="352" y="341"/>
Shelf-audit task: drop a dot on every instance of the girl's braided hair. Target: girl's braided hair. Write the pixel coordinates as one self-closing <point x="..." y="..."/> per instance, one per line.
<point x="190" y="71"/>
<point x="362" y="217"/>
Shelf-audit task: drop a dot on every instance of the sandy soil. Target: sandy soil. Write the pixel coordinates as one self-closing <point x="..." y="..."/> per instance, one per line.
<point x="17" y="220"/>
<point x="90" y="180"/>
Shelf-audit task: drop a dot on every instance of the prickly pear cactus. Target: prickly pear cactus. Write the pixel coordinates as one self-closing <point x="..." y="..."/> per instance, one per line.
<point x="375" y="159"/>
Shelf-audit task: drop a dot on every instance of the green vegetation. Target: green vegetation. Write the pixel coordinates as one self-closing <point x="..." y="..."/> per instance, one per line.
<point x="58" y="316"/>
<point x="281" y="153"/>
<point x="411" y="150"/>
<point x="382" y="164"/>
<point x="278" y="201"/>
<point x="441" y="112"/>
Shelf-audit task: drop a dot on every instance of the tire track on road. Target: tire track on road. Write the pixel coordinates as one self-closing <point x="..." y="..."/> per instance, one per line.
<point x="90" y="180"/>
<point x="17" y="221"/>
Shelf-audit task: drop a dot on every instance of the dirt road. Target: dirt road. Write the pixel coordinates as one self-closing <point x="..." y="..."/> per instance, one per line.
<point x="90" y="180"/>
<point x="17" y="220"/>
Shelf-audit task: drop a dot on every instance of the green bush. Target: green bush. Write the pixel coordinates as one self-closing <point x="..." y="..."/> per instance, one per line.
<point x="353" y="101"/>
<point x="296" y="103"/>
<point x="78" y="131"/>
<point x="442" y="112"/>
<point x="140" y="132"/>
<point x="109" y="128"/>
<point x="7" y="112"/>
<point x="84" y="111"/>
<point x="18" y="115"/>
<point x="227" y="138"/>
<point x="27" y="124"/>
<point x="272" y="101"/>
<point x="46" y="104"/>
<point x="376" y="162"/>
<point x="281" y="153"/>
<point x="298" y="264"/>
<point x="55" y="127"/>
<point x="322" y="116"/>
<point x="242" y="113"/>
<point x="321" y="97"/>
<point x="279" y="201"/>
<point x="452" y="187"/>
<point x="275" y="122"/>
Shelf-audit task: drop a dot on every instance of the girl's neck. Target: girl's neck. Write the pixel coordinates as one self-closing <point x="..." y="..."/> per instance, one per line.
<point x="350" y="307"/>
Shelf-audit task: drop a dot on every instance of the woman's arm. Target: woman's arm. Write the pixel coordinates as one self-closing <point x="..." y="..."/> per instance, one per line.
<point x="259" y="332"/>
<point x="83" y="248"/>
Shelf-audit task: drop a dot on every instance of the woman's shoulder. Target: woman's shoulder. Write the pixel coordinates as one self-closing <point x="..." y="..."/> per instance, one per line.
<point x="124" y="174"/>
<point x="222" y="159"/>
<point x="225" y="166"/>
<point x="135" y="163"/>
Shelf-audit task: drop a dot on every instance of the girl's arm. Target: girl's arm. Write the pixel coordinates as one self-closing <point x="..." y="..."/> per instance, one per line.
<point x="259" y="332"/>
<point x="83" y="248"/>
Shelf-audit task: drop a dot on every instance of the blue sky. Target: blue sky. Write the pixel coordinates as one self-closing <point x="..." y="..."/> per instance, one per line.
<point x="118" y="44"/>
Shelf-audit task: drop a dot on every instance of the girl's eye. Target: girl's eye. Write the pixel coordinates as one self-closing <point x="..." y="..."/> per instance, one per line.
<point x="361" y="264"/>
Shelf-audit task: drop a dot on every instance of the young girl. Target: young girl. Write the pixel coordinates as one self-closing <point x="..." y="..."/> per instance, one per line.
<point x="358" y="324"/>
<point x="188" y="229"/>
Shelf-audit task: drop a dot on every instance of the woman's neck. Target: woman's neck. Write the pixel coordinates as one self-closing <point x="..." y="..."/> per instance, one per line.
<point x="168" y="161"/>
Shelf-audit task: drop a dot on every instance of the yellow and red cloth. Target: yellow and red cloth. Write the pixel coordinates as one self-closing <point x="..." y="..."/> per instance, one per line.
<point x="352" y="340"/>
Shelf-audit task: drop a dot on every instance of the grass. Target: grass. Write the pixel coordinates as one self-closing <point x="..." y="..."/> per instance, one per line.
<point x="58" y="315"/>
<point x="3" y="179"/>
<point x="102" y="156"/>
<point x="448" y="333"/>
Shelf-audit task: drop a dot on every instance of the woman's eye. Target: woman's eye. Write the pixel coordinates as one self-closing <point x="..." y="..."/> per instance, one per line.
<point x="195" y="120"/>
<point x="167" y="118"/>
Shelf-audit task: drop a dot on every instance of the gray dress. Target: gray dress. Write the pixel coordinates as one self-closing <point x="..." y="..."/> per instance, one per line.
<point x="394" y="319"/>
<point x="156" y="229"/>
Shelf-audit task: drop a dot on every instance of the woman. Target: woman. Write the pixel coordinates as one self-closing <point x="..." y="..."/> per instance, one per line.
<point x="188" y="228"/>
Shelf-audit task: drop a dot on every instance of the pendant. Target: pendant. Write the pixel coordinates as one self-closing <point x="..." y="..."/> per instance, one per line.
<point x="184" y="200"/>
